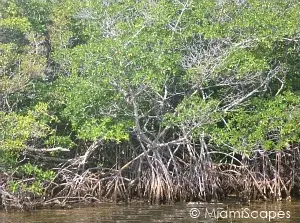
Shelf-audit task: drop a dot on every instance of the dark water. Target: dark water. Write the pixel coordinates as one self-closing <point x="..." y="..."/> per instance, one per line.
<point x="207" y="212"/>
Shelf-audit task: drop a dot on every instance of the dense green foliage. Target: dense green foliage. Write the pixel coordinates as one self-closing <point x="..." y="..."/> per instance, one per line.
<point x="73" y="72"/>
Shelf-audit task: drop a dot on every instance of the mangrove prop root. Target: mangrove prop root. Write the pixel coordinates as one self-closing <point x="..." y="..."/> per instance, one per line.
<point x="162" y="175"/>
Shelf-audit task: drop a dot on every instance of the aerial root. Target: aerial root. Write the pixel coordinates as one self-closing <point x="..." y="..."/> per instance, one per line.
<point x="167" y="176"/>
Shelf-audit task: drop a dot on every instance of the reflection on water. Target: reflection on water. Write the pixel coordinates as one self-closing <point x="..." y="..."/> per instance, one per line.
<point x="259" y="212"/>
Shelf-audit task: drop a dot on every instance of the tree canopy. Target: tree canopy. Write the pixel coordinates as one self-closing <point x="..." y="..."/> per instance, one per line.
<point x="148" y="74"/>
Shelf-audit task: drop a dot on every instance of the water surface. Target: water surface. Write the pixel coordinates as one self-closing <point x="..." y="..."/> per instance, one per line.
<point x="203" y="212"/>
